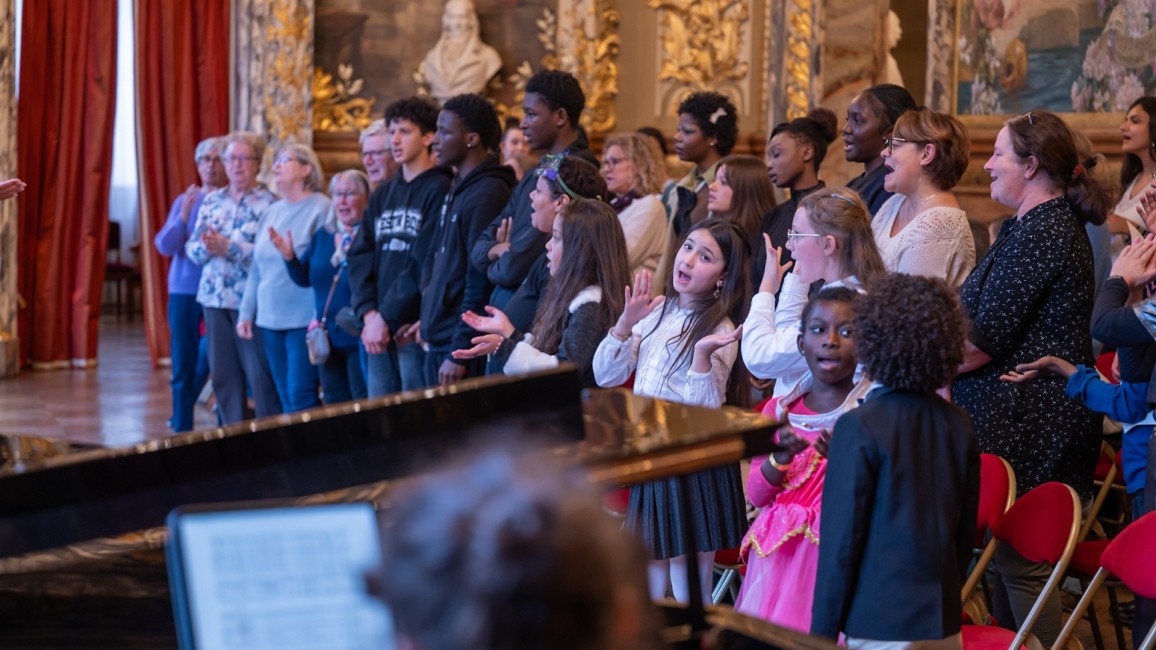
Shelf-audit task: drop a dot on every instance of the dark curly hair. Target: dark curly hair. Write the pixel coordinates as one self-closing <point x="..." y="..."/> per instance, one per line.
<point x="559" y="89"/>
<point x="844" y="295"/>
<point x="421" y="112"/>
<point x="716" y="116"/>
<point x="507" y="552"/>
<point x="909" y="332"/>
<point x="478" y="116"/>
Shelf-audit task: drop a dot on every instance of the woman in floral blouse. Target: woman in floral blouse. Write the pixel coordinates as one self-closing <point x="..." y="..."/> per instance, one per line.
<point x="222" y="242"/>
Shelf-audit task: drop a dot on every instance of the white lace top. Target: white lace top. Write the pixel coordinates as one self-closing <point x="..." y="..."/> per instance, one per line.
<point x="936" y="243"/>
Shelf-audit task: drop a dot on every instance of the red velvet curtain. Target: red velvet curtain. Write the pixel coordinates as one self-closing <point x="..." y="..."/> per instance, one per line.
<point x="64" y="153"/>
<point x="182" y="97"/>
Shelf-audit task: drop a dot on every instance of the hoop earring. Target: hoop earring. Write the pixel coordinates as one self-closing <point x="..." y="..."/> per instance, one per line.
<point x="717" y="292"/>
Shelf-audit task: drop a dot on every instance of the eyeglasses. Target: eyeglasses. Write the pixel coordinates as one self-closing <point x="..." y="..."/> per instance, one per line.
<point x="890" y="143"/>
<point x="346" y="195"/>
<point x="612" y="162"/>
<point x="232" y="159"/>
<point x="377" y="153"/>
<point x="287" y="159"/>
<point x="791" y="234"/>
<point x="208" y="159"/>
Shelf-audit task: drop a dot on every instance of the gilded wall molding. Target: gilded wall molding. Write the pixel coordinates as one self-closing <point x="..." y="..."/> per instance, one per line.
<point x="336" y="106"/>
<point x="587" y="46"/>
<point x="273" y="62"/>
<point x="9" y="342"/>
<point x="794" y="35"/>
<point x="941" y="39"/>
<point x="704" y="45"/>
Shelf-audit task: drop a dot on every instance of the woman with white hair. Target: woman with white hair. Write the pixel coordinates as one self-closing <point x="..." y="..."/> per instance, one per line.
<point x="282" y="309"/>
<point x="324" y="268"/>
<point x="184" y="276"/>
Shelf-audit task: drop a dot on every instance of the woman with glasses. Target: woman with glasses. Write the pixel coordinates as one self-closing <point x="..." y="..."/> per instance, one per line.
<point x="633" y="168"/>
<point x="188" y="375"/>
<point x="870" y="118"/>
<point x="921" y="230"/>
<point x="830" y="241"/>
<point x="1030" y="297"/>
<point x="222" y="242"/>
<point x="323" y="267"/>
<point x="281" y="309"/>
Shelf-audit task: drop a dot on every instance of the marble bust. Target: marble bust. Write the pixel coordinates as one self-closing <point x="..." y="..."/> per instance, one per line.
<point x="460" y="62"/>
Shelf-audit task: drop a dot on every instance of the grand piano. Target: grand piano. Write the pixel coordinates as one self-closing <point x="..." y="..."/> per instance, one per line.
<point x="81" y="530"/>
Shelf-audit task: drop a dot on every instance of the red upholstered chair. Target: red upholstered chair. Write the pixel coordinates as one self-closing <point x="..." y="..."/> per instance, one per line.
<point x="616" y="501"/>
<point x="1042" y="526"/>
<point x="730" y="570"/>
<point x="1130" y="558"/>
<point x="997" y="493"/>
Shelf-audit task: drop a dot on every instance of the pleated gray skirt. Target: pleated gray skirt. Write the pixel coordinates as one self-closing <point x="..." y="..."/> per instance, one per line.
<point x="715" y="507"/>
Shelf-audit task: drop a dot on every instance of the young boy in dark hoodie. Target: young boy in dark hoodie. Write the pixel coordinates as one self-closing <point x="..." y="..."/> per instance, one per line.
<point x="399" y="224"/>
<point x="511" y="247"/>
<point x="468" y="135"/>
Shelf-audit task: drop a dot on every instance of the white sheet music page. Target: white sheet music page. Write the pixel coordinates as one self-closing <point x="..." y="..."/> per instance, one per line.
<point x="284" y="579"/>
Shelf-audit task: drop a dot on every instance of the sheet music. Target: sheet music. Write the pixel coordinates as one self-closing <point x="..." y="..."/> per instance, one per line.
<point x="284" y="579"/>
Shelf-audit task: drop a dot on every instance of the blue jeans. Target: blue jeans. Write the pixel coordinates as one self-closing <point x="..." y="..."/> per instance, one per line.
<point x="395" y="370"/>
<point x="436" y="356"/>
<point x="341" y="376"/>
<point x="293" y="375"/>
<point x="185" y="346"/>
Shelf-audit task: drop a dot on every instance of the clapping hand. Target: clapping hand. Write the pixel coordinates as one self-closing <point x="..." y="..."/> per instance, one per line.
<point x="774" y="271"/>
<point x="1137" y="262"/>
<point x="708" y="344"/>
<point x="216" y="243"/>
<point x="1147" y="207"/>
<point x="283" y="244"/>
<point x="11" y="188"/>
<point x="501" y="239"/>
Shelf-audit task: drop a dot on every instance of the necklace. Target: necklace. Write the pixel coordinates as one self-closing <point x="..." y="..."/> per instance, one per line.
<point x="913" y="207"/>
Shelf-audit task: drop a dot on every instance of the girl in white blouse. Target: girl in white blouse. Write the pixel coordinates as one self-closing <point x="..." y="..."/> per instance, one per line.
<point x="921" y="230"/>
<point x="681" y="347"/>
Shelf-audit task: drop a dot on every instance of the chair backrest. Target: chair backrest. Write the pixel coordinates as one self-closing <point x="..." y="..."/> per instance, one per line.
<point x="1039" y="524"/>
<point x="1131" y="556"/>
<point x="1108" y="454"/>
<point x="1043" y="526"/>
<point x="997" y="492"/>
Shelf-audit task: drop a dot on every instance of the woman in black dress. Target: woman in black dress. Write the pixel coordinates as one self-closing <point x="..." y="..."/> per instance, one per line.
<point x="1031" y="296"/>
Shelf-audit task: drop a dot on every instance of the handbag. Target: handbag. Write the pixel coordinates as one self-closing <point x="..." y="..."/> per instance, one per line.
<point x="317" y="340"/>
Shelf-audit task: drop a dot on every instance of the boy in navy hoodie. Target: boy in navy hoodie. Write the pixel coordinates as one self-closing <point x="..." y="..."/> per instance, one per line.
<point x="468" y="134"/>
<point x="399" y="224"/>
<point x="509" y="248"/>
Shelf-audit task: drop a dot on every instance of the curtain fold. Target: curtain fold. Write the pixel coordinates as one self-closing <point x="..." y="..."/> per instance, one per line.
<point x="182" y="97"/>
<point x="64" y="151"/>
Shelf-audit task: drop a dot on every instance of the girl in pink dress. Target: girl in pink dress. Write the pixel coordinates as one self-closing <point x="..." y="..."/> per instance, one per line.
<point x="782" y="547"/>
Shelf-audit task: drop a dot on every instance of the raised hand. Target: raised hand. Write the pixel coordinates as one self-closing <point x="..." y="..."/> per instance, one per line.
<point x="1137" y="263"/>
<point x="639" y="304"/>
<point x="284" y="245"/>
<point x="483" y="345"/>
<point x="495" y="323"/>
<point x="773" y="272"/>
<point x="187" y="205"/>
<point x="1147" y="207"/>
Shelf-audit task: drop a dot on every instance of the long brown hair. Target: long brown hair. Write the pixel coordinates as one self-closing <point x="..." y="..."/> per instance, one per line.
<point x="593" y="254"/>
<point x="733" y="296"/>
<point x="753" y="194"/>
<point x="842" y="214"/>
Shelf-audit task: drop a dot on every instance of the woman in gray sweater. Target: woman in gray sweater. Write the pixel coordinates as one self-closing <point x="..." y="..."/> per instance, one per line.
<point x="279" y="307"/>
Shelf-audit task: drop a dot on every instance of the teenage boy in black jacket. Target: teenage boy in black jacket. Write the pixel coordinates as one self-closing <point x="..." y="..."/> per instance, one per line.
<point x="511" y="245"/>
<point x="399" y="224"/>
<point x="468" y="134"/>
